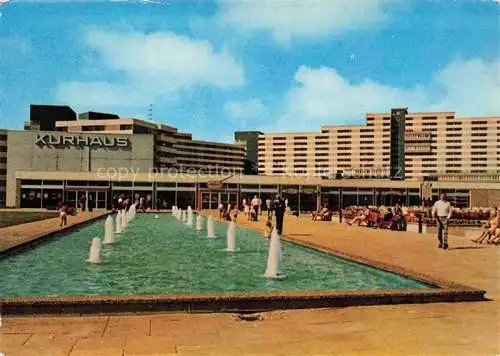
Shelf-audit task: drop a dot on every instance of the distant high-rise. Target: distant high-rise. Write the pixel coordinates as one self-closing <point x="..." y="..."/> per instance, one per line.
<point x="398" y="143"/>
<point x="251" y="140"/>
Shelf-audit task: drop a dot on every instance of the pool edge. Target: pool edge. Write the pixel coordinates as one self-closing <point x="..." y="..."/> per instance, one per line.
<point x="444" y="291"/>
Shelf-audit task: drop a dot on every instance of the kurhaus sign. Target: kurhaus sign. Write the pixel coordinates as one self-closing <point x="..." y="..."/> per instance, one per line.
<point x="72" y="140"/>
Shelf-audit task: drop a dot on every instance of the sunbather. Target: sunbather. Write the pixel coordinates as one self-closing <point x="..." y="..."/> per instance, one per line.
<point x="489" y="228"/>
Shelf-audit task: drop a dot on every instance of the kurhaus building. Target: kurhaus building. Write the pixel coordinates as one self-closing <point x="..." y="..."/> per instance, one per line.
<point x="407" y="146"/>
<point x="100" y="156"/>
<point x="57" y="139"/>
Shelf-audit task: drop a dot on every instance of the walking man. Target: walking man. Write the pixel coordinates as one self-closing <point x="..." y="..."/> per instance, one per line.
<point x="279" y="211"/>
<point x="441" y="211"/>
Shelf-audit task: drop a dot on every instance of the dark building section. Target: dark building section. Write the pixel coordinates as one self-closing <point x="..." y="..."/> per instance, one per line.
<point x="251" y="140"/>
<point x="398" y="119"/>
<point x="44" y="117"/>
<point x="97" y="116"/>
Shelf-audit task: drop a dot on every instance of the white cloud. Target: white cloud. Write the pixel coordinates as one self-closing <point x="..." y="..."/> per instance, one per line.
<point x="248" y="109"/>
<point x="321" y="96"/>
<point x="286" y="19"/>
<point x="469" y="87"/>
<point x="153" y="65"/>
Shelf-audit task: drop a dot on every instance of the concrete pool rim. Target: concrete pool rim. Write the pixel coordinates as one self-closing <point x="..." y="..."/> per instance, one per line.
<point x="442" y="291"/>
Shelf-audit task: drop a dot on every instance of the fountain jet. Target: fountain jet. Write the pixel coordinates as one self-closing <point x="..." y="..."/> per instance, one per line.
<point x="189" y="221"/>
<point x="124" y="220"/>
<point x="231" y="237"/>
<point x="108" y="231"/>
<point x="95" y="251"/>
<point x="210" y="228"/>
<point x="118" y="222"/>
<point x="274" y="256"/>
<point x="199" y="222"/>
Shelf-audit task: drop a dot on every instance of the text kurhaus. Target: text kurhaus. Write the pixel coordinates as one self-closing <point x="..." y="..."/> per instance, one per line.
<point x="71" y="140"/>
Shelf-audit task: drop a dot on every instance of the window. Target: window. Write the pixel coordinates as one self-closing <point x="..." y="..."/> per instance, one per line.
<point x="480" y="128"/>
<point x="125" y="127"/>
<point x="479" y="147"/>
<point x="344" y="136"/>
<point x="366" y="130"/>
<point x="300" y="138"/>
<point x="344" y="131"/>
<point x="366" y="136"/>
<point x="424" y="118"/>
<point x="279" y="138"/>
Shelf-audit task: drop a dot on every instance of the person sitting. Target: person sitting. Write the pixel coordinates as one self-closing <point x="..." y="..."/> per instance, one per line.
<point x="268" y="229"/>
<point x="360" y="218"/>
<point x="373" y="219"/>
<point x="495" y="237"/>
<point x="319" y="215"/>
<point x="489" y="228"/>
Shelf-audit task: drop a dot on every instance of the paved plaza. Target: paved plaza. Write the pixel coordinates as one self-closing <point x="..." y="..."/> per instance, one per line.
<point x="419" y="329"/>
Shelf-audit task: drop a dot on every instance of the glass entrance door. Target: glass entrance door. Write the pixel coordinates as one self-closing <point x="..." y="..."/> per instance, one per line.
<point x="101" y="200"/>
<point x="205" y="200"/>
<point x="72" y="198"/>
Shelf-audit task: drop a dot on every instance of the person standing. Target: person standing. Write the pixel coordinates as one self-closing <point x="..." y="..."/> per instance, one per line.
<point x="279" y="211"/>
<point x="441" y="211"/>
<point x="268" y="208"/>
<point x="255" y="207"/>
<point x="260" y="205"/>
<point x="91" y="203"/>
<point x="63" y="213"/>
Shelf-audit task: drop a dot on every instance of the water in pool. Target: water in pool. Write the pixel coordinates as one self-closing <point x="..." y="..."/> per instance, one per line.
<point x="162" y="255"/>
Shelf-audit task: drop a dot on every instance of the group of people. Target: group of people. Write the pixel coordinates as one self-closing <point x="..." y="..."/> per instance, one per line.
<point x="383" y="218"/>
<point x="123" y="202"/>
<point x="252" y="209"/>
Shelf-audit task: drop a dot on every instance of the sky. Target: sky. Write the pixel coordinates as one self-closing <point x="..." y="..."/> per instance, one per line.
<point x="215" y="67"/>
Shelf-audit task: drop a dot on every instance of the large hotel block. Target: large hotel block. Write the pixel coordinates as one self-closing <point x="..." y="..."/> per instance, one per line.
<point x="434" y="143"/>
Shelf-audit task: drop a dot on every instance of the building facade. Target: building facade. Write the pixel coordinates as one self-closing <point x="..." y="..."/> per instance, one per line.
<point x="172" y="149"/>
<point x="435" y="143"/>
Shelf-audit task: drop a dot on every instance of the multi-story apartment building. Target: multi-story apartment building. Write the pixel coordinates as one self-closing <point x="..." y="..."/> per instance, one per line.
<point x="440" y="143"/>
<point x="434" y="143"/>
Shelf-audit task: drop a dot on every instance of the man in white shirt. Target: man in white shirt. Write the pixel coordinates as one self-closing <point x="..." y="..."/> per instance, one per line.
<point x="268" y="208"/>
<point x="441" y="211"/>
<point x="255" y="206"/>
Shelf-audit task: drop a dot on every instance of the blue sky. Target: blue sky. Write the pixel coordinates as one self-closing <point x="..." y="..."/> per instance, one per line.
<point x="211" y="68"/>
